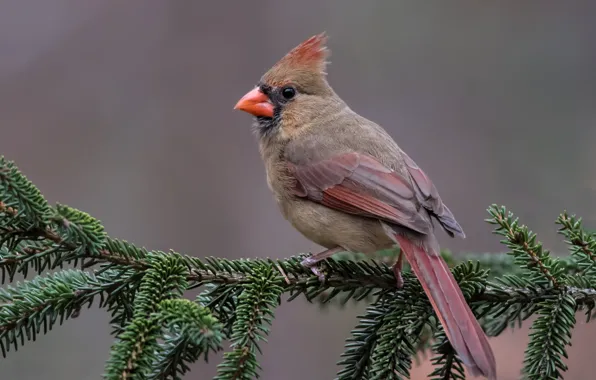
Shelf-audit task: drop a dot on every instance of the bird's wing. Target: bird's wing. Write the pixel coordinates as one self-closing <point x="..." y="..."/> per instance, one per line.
<point x="428" y="196"/>
<point x="358" y="184"/>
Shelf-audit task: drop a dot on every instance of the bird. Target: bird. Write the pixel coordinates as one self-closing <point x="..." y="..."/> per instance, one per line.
<point x="343" y="182"/>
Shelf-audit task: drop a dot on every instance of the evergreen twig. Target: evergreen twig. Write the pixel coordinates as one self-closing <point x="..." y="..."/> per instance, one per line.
<point x="551" y="332"/>
<point x="193" y="332"/>
<point x="134" y="352"/>
<point x="359" y="347"/>
<point x="253" y="318"/>
<point x="582" y="244"/>
<point x="448" y="364"/>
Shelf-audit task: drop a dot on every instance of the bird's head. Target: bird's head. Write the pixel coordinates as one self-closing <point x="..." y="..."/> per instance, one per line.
<point x="292" y="93"/>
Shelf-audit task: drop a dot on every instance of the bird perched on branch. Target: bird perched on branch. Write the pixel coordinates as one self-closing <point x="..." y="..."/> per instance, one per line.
<point x="345" y="184"/>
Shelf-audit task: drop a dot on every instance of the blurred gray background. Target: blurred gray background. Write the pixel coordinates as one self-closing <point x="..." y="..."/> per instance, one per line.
<point x="124" y="109"/>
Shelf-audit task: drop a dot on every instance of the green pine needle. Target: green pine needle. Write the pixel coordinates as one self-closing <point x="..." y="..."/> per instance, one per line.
<point x="193" y="332"/>
<point x="549" y="336"/>
<point x="398" y="335"/>
<point x="448" y="365"/>
<point x="582" y="245"/>
<point x="80" y="230"/>
<point x="35" y="306"/>
<point x="22" y="207"/>
<point x="541" y="268"/>
<point x="254" y="315"/>
<point x="134" y="352"/>
<point x="359" y="347"/>
<point x="222" y="300"/>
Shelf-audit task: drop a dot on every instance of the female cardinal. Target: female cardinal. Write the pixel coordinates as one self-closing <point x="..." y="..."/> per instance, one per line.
<point x="343" y="182"/>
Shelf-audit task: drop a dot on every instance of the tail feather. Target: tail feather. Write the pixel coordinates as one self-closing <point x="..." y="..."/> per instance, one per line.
<point x="461" y="327"/>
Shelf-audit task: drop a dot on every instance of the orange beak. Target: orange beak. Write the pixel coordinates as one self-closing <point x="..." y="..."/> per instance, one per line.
<point x="256" y="103"/>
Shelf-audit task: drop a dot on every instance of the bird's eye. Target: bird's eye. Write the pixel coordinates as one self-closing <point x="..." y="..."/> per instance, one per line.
<point x="288" y="92"/>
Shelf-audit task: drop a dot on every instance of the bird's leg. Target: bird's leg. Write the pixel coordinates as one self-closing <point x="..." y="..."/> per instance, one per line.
<point x="312" y="261"/>
<point x="397" y="267"/>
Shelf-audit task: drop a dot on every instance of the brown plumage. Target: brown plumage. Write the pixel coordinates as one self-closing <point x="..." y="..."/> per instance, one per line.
<point x="343" y="182"/>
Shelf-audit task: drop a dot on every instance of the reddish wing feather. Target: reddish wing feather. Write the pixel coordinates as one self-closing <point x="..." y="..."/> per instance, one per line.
<point x="358" y="184"/>
<point x="348" y="200"/>
<point x="429" y="197"/>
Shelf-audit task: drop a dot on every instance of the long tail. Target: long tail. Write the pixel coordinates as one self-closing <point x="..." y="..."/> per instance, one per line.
<point x="462" y="328"/>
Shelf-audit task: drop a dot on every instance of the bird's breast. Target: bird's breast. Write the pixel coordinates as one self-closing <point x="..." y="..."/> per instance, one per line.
<point x="331" y="228"/>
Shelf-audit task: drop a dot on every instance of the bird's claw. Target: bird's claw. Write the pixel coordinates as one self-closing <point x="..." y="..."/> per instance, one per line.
<point x="400" y="280"/>
<point x="317" y="272"/>
<point x="314" y="267"/>
<point x="397" y="267"/>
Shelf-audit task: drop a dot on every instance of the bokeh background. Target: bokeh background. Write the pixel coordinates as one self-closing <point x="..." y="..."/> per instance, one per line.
<point x="124" y="109"/>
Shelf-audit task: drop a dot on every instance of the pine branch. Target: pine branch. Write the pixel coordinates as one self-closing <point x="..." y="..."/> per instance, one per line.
<point x="22" y="207"/>
<point x="582" y="244"/>
<point x="194" y="332"/>
<point x="72" y="236"/>
<point x="38" y="304"/>
<point x="82" y="234"/>
<point x="400" y="331"/>
<point x="253" y="316"/>
<point x="551" y="333"/>
<point x="449" y="366"/>
<point x="359" y="347"/>
<point x="528" y="254"/>
<point x="510" y="312"/>
<point x="552" y="330"/>
<point x="134" y="352"/>
<point x="363" y="276"/>
<point x="222" y="300"/>
<point x="23" y="256"/>
<point x="45" y="249"/>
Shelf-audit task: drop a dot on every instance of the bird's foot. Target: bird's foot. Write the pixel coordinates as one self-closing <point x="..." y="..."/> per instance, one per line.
<point x="313" y="264"/>
<point x="399" y="278"/>
<point x="397" y="267"/>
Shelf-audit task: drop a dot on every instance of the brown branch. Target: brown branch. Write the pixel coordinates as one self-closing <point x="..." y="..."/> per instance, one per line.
<point x="243" y="358"/>
<point x="302" y="281"/>
<point x="54" y="237"/>
<point x="48" y="234"/>
<point x="135" y="353"/>
<point x="540" y="264"/>
<point x="24" y="318"/>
